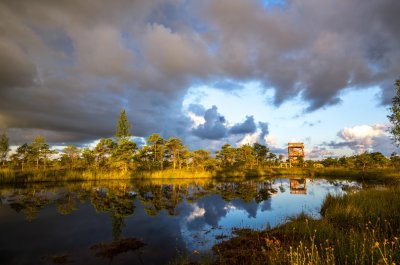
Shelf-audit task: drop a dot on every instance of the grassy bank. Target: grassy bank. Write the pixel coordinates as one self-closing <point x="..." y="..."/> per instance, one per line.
<point x="385" y="176"/>
<point x="173" y="174"/>
<point x="33" y="176"/>
<point x="359" y="228"/>
<point x="27" y="176"/>
<point x="18" y="176"/>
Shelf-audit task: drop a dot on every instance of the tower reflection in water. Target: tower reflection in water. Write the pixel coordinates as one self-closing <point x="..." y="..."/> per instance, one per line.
<point x="298" y="186"/>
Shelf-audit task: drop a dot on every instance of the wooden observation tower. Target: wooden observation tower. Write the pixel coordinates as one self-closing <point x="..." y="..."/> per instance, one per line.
<point x="295" y="153"/>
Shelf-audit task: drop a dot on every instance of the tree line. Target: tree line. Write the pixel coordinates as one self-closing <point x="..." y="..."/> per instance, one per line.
<point x="121" y="153"/>
<point x="158" y="154"/>
<point x="362" y="161"/>
<point x="161" y="154"/>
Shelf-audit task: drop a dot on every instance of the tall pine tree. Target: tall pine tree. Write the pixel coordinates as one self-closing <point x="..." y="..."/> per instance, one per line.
<point x="395" y="116"/>
<point x="123" y="127"/>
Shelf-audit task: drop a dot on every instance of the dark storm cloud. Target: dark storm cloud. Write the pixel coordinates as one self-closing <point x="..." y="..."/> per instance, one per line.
<point x="214" y="126"/>
<point x="71" y="67"/>
<point x="248" y="126"/>
<point x="15" y="70"/>
<point x="68" y="67"/>
<point x="313" y="47"/>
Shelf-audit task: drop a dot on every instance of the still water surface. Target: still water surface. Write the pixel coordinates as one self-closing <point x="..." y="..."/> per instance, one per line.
<point x="59" y="223"/>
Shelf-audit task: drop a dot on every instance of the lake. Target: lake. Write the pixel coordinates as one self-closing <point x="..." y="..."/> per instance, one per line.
<point x="70" y="223"/>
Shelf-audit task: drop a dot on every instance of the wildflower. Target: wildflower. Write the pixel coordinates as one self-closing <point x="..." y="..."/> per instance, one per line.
<point x="376" y="245"/>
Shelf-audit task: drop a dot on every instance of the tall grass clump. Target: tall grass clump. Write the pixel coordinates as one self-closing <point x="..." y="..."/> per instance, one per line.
<point x="367" y="225"/>
<point x="357" y="228"/>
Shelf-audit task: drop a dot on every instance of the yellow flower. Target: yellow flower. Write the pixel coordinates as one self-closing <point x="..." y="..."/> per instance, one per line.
<point x="376" y="245"/>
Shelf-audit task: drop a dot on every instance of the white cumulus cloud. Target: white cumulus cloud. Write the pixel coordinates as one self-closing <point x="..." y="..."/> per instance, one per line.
<point x="361" y="138"/>
<point x="363" y="133"/>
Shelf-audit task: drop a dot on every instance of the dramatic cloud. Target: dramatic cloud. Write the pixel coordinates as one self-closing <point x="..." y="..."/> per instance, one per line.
<point x="344" y="45"/>
<point x="214" y="126"/>
<point x="361" y="138"/>
<point x="69" y="66"/>
<point x="248" y="126"/>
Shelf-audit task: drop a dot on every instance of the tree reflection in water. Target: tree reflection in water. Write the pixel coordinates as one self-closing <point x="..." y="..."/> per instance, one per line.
<point x="167" y="215"/>
<point x="118" y="198"/>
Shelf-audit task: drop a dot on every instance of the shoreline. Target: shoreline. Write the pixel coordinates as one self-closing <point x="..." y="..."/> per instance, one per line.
<point x="385" y="176"/>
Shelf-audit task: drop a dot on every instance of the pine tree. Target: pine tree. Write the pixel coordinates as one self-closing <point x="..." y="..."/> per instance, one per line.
<point x="123" y="127"/>
<point x="157" y="144"/>
<point x="123" y="154"/>
<point x="4" y="147"/>
<point x="395" y="116"/>
<point x="40" y="150"/>
<point x="71" y="155"/>
<point x="175" y="148"/>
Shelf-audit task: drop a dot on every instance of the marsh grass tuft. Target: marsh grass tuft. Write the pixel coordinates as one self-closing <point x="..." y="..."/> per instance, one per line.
<point x="357" y="228"/>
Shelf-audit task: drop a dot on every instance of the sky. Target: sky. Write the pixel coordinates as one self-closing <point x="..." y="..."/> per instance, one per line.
<point x="210" y="72"/>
